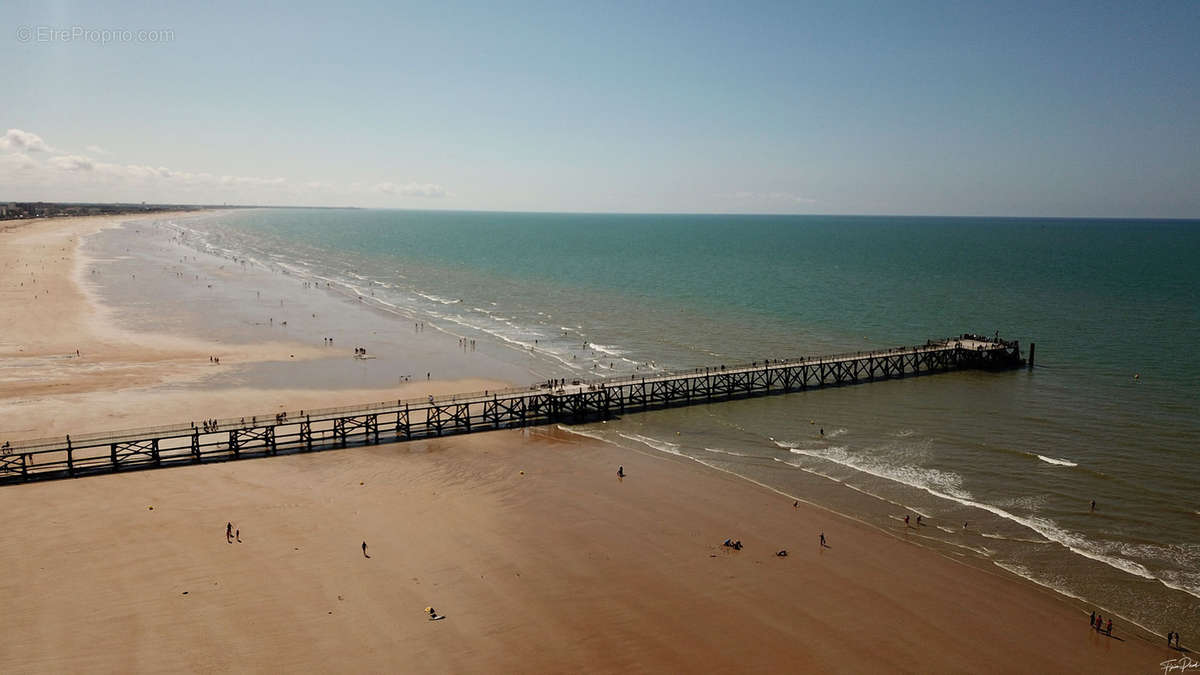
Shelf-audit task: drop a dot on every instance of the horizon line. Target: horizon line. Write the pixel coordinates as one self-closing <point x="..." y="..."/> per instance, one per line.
<point x="608" y="213"/>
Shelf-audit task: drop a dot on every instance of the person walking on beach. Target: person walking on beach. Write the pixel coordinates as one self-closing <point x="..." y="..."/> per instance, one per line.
<point x="229" y="532"/>
<point x="1108" y="628"/>
<point x="365" y="550"/>
<point x="1092" y="621"/>
<point x="238" y="536"/>
<point x="620" y="472"/>
<point x="1169" y="636"/>
<point x="906" y="520"/>
<point x="823" y="545"/>
<point x="1099" y="622"/>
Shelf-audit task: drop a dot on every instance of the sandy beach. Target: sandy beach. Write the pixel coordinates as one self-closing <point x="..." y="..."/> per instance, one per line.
<point x="540" y="559"/>
<point x="538" y="556"/>
<point x="69" y="363"/>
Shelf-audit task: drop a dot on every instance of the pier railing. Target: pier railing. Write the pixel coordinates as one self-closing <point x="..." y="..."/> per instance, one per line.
<point x="432" y="416"/>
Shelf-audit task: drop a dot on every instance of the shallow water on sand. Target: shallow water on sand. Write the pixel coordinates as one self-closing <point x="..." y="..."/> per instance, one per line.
<point x="1001" y="467"/>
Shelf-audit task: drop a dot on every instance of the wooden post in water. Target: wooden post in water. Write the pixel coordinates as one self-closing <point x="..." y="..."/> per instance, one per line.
<point x="1032" y="347"/>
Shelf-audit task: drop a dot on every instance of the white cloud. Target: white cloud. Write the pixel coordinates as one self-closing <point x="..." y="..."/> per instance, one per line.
<point x="413" y="189"/>
<point x="72" y="163"/>
<point x="19" y="141"/>
<point x="252" y="180"/>
<point x="59" y="175"/>
<point x="17" y="161"/>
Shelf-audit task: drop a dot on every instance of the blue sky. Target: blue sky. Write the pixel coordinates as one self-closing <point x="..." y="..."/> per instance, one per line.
<point x="1023" y="109"/>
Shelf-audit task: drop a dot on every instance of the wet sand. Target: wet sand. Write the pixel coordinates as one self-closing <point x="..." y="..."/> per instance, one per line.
<point x="140" y="364"/>
<point x="562" y="567"/>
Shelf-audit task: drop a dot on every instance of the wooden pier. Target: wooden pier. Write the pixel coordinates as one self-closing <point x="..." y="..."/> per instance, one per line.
<point x="388" y="422"/>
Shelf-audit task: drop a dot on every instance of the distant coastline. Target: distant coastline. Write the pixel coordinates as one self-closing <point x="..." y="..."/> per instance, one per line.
<point x="29" y="210"/>
<point x="16" y="210"/>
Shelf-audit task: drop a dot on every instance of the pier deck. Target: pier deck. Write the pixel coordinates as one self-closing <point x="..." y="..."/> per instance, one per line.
<point x="394" y="421"/>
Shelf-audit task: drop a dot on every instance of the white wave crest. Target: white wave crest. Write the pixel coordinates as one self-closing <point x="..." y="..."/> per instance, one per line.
<point x="1059" y="462"/>
<point x="922" y="478"/>
<point x="581" y="432"/>
<point x="434" y="298"/>
<point x="605" y="349"/>
<point x="727" y="452"/>
<point x="657" y="444"/>
<point x="944" y="485"/>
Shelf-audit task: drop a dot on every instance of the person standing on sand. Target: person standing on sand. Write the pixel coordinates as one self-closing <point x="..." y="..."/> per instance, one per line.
<point x="229" y="532"/>
<point x="620" y="472"/>
<point x="365" y="550"/>
<point x="823" y="540"/>
<point x="238" y="536"/>
<point x="1108" y="628"/>
<point x="1092" y="621"/>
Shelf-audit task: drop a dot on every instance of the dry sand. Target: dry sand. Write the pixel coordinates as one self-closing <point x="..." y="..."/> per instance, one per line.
<point x="559" y="568"/>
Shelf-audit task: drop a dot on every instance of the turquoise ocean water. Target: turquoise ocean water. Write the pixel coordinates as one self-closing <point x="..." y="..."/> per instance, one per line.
<point x="1002" y="467"/>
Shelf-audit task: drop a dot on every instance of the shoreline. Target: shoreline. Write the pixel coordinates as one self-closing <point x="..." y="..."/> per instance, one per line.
<point x="932" y="545"/>
<point x="137" y="359"/>
<point x="539" y="557"/>
<point x="162" y="374"/>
